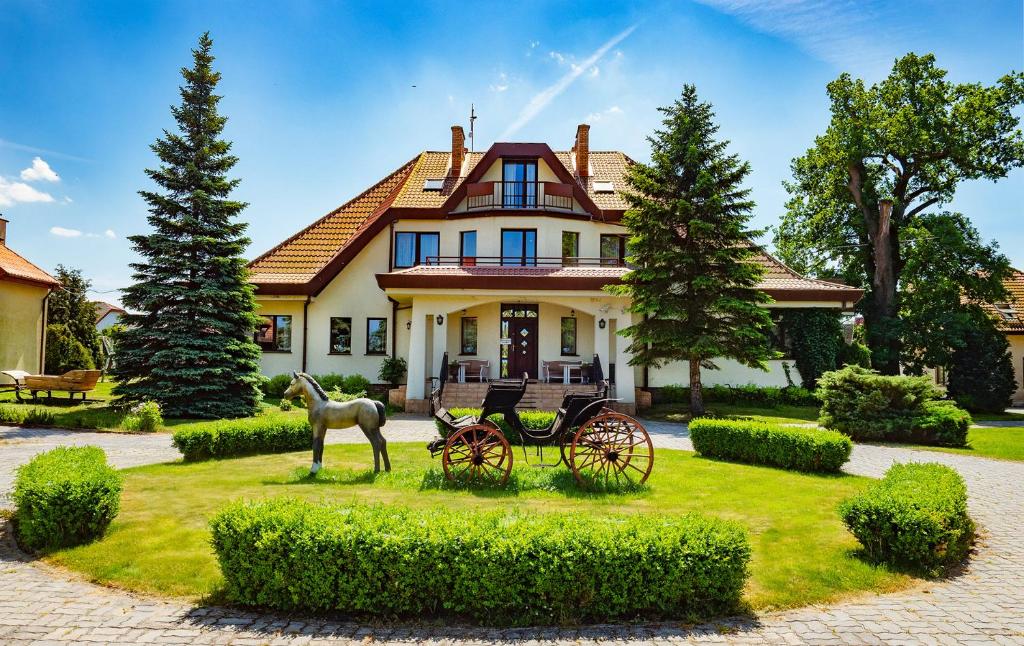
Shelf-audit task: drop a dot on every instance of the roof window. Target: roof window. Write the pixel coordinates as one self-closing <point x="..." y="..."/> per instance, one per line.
<point x="604" y="187"/>
<point x="1006" y="311"/>
<point x="433" y="184"/>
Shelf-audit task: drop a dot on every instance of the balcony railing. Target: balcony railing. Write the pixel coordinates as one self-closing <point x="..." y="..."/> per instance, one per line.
<point x="519" y="195"/>
<point x="518" y="261"/>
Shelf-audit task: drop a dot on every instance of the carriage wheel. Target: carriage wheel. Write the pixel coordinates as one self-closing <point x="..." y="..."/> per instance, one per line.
<point x="611" y="448"/>
<point x="477" y="454"/>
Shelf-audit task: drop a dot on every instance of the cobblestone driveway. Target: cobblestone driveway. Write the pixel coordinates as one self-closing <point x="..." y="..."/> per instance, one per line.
<point x="984" y="605"/>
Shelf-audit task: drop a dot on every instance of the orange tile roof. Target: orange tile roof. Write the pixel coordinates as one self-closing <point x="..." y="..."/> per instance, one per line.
<point x="299" y="258"/>
<point x="102" y="309"/>
<point x="433" y="165"/>
<point x="14" y="267"/>
<point x="1010" y="319"/>
<point x="605" y="166"/>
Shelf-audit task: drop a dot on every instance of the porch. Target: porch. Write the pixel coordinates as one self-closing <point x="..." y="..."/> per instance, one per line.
<point x="550" y="336"/>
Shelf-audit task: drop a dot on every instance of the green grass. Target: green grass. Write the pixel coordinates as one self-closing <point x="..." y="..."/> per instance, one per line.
<point x="801" y="553"/>
<point x="778" y="415"/>
<point x="1004" y="443"/>
<point x="96" y="413"/>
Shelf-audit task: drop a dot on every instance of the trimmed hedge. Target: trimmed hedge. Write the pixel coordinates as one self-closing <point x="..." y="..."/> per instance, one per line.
<point x="532" y="419"/>
<point x="64" y="497"/>
<point x="789" y="447"/>
<point x="226" y="438"/>
<point x="765" y="396"/>
<point x="868" y="406"/>
<point x="915" y="516"/>
<point x="23" y="415"/>
<point x="494" y="567"/>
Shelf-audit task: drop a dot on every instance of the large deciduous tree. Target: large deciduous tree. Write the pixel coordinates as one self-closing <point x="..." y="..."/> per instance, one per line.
<point x="892" y="151"/>
<point x="190" y="346"/>
<point x="694" y="273"/>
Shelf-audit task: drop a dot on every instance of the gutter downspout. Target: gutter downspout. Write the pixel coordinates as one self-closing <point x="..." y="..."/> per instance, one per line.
<point x="394" y="327"/>
<point x="305" y="330"/>
<point x="42" y="333"/>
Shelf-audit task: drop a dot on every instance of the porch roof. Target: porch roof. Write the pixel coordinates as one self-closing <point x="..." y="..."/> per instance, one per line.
<point x="779" y="281"/>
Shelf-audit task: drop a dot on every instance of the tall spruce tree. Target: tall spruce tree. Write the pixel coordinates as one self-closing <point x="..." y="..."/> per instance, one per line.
<point x="190" y="347"/>
<point x="694" y="277"/>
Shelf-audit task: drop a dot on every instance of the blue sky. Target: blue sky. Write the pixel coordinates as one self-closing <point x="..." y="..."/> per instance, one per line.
<point x="324" y="98"/>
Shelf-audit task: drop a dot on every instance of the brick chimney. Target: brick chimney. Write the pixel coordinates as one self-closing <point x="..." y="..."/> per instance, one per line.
<point x="582" y="150"/>
<point x="458" y="149"/>
<point x="3" y="232"/>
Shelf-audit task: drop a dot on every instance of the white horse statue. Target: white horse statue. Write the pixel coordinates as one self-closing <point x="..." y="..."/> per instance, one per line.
<point x="324" y="414"/>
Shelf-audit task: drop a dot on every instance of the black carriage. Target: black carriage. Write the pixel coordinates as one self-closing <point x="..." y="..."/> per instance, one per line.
<point x="599" y="445"/>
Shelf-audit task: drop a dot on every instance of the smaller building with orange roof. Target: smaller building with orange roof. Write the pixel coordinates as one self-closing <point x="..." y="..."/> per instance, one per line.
<point x="24" y="291"/>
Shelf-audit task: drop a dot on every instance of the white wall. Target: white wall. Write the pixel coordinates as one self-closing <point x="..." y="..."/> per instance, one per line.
<point x="731" y="373"/>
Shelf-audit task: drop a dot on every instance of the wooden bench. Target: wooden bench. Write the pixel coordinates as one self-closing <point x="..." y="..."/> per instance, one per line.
<point x="71" y="382"/>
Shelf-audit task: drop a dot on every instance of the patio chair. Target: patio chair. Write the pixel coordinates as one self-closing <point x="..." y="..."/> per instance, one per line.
<point x="475" y="369"/>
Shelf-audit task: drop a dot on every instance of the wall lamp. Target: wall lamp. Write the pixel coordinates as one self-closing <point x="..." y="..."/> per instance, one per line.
<point x="440" y="320"/>
<point x="601" y="324"/>
<point x="408" y="325"/>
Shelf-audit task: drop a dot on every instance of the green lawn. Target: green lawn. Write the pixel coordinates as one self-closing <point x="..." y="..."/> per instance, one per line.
<point x="96" y="413"/>
<point x="801" y="553"/>
<point x="1005" y="443"/>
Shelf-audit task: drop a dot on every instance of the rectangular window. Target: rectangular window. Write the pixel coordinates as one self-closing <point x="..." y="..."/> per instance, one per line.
<point x="275" y="333"/>
<point x="519" y="184"/>
<point x="469" y="335"/>
<point x="570" y="248"/>
<point x="467" y="248"/>
<point x="376" y="336"/>
<point x="613" y="249"/>
<point x="568" y="335"/>
<point x="341" y="335"/>
<point x="412" y="248"/>
<point x="519" y="247"/>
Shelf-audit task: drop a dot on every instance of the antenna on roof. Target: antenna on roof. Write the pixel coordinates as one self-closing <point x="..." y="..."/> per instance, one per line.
<point x="472" y="118"/>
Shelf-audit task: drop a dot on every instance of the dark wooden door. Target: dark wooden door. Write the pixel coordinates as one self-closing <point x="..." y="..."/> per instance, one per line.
<point x="524" y="348"/>
<point x="519" y="331"/>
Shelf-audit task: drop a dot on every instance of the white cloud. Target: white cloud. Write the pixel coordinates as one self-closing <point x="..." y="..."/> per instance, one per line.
<point x="109" y="233"/>
<point x="67" y="200"/>
<point x="502" y="83"/>
<point x="547" y="95"/>
<point x="39" y="171"/>
<point x="65" y="233"/>
<point x="597" y="116"/>
<point x="12" y="192"/>
<point x="841" y="32"/>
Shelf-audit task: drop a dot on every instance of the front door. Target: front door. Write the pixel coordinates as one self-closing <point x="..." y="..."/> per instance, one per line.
<point x="518" y="350"/>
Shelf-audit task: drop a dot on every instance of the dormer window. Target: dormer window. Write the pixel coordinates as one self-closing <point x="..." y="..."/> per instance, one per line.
<point x="519" y="184"/>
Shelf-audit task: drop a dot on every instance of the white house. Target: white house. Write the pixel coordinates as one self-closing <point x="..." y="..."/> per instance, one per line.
<point x="497" y="256"/>
<point x="107" y="315"/>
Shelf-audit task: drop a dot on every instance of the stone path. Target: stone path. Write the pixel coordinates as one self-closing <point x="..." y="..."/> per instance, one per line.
<point x="983" y="605"/>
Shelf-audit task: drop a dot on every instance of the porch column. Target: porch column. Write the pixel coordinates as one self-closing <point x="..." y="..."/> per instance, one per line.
<point x="417" y="353"/>
<point x="440" y="340"/>
<point x="601" y="342"/>
<point x="624" y="387"/>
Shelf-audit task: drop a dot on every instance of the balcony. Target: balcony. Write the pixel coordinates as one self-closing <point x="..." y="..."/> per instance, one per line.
<point x="519" y="195"/>
<point x="551" y="262"/>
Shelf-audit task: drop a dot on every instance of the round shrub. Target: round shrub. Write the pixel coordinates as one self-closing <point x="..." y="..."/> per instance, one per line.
<point x="492" y="566"/>
<point x="868" y="406"/>
<point x="354" y="384"/>
<point x="276" y="385"/>
<point x="789" y="447"/>
<point x="916" y="517"/>
<point x="145" y="417"/>
<point x="64" y="497"/>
